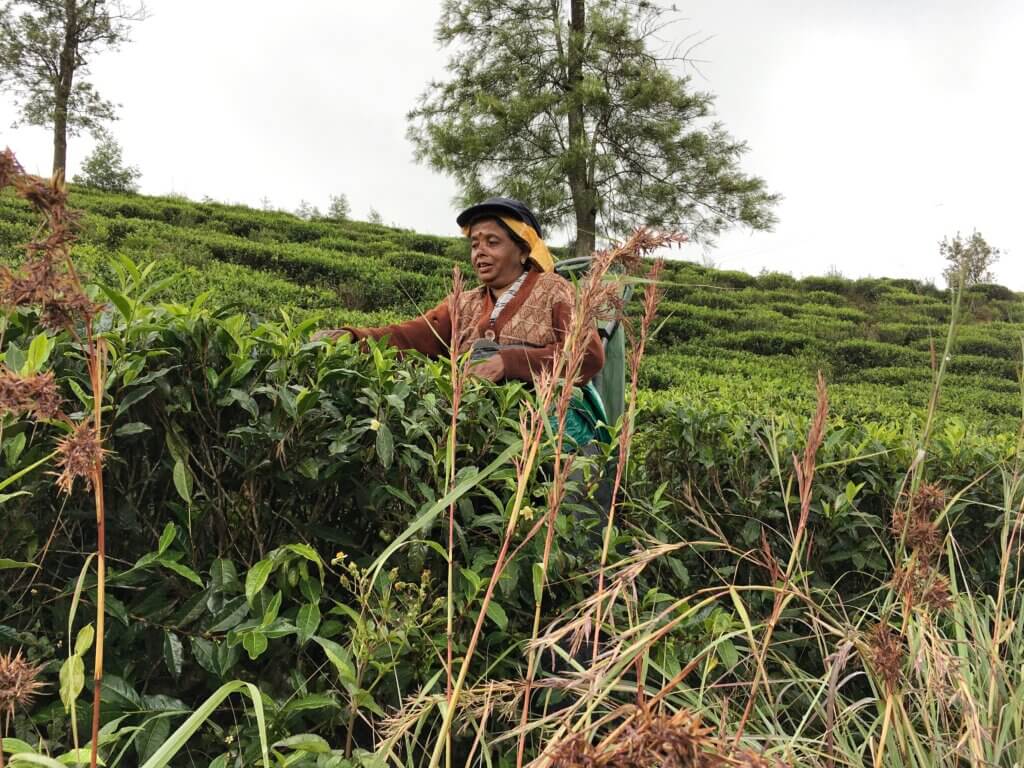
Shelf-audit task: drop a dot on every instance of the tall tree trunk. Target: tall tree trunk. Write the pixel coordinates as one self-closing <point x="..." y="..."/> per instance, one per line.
<point x="583" y="199"/>
<point x="62" y="90"/>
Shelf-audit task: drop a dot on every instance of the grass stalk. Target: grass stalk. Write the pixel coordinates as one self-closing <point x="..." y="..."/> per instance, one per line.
<point x="651" y="299"/>
<point x="457" y="378"/>
<point x="97" y="375"/>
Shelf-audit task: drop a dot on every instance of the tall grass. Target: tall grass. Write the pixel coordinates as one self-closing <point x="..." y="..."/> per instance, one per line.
<point x="924" y="669"/>
<point x="49" y="281"/>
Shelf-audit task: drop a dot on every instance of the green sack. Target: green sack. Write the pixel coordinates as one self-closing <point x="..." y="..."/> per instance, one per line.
<point x="586" y="417"/>
<point x="584" y="423"/>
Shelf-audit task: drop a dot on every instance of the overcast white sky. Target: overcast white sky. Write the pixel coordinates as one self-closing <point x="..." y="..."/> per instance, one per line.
<point x="886" y="124"/>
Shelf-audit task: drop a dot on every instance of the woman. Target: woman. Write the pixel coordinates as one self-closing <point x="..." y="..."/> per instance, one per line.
<point x="514" y="323"/>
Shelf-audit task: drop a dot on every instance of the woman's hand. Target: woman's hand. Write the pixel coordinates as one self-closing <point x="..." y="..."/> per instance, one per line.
<point x="492" y="369"/>
<point x="329" y="334"/>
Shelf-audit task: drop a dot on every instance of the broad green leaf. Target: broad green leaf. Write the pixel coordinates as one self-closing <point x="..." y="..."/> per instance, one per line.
<point x="364" y="700"/>
<point x="117" y="691"/>
<point x="307" y="621"/>
<point x="183" y="481"/>
<point x="83" y="397"/>
<point x="84" y="640"/>
<point x="166" y="538"/>
<point x="79" y="756"/>
<point x="313" y="701"/>
<point x="124" y="306"/>
<point x="497" y="614"/>
<point x="229" y="617"/>
<point x="727" y="653"/>
<point x="538" y="581"/>
<point x="245" y="400"/>
<point x="385" y="445"/>
<point x="12" y="746"/>
<point x="257" y="577"/>
<point x="306" y="551"/>
<point x="224" y="575"/>
<point x="161" y="702"/>
<point x="182" y="570"/>
<point x="306" y="742"/>
<point x="174" y="653"/>
<point x="38" y="353"/>
<point x="227" y="657"/>
<point x="133" y="397"/>
<point x="176" y="443"/>
<point x="15" y="357"/>
<point x="132" y="428"/>
<point x="339" y="657"/>
<point x="311" y="589"/>
<point x="24" y="758"/>
<point x="72" y="680"/>
<point x="13" y="447"/>
<point x="117" y="609"/>
<point x="270" y="614"/>
<point x="203" y="651"/>
<point x="154" y="733"/>
<point x="255" y="643"/>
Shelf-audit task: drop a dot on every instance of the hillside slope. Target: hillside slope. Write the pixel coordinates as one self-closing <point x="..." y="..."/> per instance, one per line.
<point x="726" y="335"/>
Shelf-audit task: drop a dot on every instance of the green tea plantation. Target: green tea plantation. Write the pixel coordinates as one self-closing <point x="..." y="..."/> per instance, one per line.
<point x="329" y="555"/>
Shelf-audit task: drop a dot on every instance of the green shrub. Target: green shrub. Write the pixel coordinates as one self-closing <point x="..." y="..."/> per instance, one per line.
<point x="993" y="292"/>
<point x="765" y="342"/>
<point x="903" y="333"/>
<point x="986" y="366"/>
<point x="736" y="280"/>
<point x="830" y="285"/>
<point x="773" y="281"/>
<point x="855" y="355"/>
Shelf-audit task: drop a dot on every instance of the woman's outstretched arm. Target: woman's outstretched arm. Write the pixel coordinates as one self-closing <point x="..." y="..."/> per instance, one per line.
<point x="430" y="333"/>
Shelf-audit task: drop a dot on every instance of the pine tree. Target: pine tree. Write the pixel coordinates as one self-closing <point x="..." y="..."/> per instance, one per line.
<point x="571" y="107"/>
<point x="45" y="49"/>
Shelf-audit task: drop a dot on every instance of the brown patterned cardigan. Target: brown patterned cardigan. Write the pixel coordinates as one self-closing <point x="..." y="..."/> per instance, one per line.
<point x="537" y="318"/>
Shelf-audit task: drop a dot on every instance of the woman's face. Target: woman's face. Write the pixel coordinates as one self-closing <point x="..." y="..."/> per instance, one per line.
<point x="497" y="260"/>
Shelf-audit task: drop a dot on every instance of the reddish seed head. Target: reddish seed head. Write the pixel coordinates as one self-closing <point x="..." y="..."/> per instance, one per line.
<point x="885" y="654"/>
<point x="47" y="195"/>
<point x="29" y="395"/>
<point x="929" y="500"/>
<point x="80" y="454"/>
<point x="9" y="168"/>
<point x="19" y="683"/>
<point x="915" y="521"/>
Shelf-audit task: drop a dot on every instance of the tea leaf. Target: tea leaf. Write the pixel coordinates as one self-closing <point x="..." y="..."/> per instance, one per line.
<point x="183" y="481"/>
<point x="256" y="578"/>
<point x="497" y="614"/>
<point x="385" y="445"/>
<point x="174" y="654"/>
<point x="307" y="621"/>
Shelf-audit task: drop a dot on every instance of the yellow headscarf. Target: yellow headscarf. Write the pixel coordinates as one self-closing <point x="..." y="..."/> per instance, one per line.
<point x="539" y="253"/>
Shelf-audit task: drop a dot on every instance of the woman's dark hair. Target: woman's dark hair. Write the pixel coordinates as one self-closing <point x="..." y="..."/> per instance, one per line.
<point x="523" y="245"/>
